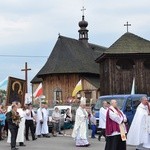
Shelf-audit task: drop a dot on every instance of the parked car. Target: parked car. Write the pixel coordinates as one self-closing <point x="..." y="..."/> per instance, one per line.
<point x="127" y="103"/>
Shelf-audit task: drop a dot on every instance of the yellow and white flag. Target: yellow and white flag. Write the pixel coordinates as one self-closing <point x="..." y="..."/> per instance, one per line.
<point x="77" y="88"/>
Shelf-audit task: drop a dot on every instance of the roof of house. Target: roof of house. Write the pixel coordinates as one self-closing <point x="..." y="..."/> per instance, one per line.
<point x="93" y="80"/>
<point x="72" y="56"/>
<point x="36" y="80"/>
<point x="129" y="43"/>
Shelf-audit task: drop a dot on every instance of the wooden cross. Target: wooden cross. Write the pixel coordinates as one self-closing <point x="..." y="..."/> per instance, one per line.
<point x="127" y="25"/>
<point x="83" y="9"/>
<point x="26" y="69"/>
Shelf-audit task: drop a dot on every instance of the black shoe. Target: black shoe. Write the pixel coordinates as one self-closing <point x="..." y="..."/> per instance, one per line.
<point x="21" y="144"/>
<point x="87" y="145"/>
<point x="83" y="145"/>
<point x="27" y="140"/>
<point x="46" y="135"/>
<point x="60" y="133"/>
<point x="15" y="148"/>
<point x="34" y="139"/>
<point x="39" y="136"/>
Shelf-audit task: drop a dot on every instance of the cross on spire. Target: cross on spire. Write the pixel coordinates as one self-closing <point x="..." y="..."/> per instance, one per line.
<point x="26" y="69"/>
<point x="127" y="25"/>
<point x="83" y="9"/>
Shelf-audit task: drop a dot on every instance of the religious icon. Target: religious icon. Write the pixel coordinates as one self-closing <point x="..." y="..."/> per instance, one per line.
<point x="16" y="90"/>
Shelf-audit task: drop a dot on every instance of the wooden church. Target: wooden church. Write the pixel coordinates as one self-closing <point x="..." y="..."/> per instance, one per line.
<point x="102" y="70"/>
<point x="70" y="61"/>
<point x="126" y="59"/>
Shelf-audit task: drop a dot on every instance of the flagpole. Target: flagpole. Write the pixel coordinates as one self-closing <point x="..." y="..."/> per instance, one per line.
<point x="32" y="92"/>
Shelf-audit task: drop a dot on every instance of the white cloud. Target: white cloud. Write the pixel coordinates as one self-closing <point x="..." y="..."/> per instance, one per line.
<point x="11" y="30"/>
<point x="31" y="27"/>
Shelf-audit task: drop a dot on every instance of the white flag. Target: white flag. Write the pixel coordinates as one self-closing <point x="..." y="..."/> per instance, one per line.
<point x="133" y="86"/>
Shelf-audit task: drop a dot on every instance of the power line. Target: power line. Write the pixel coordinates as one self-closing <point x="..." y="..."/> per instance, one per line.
<point x="23" y="56"/>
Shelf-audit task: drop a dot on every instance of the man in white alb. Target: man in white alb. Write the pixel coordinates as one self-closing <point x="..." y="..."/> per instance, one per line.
<point x="102" y="119"/>
<point x="139" y="132"/>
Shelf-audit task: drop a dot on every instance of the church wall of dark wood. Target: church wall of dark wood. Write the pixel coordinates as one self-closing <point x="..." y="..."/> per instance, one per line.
<point x="104" y="77"/>
<point x="119" y="81"/>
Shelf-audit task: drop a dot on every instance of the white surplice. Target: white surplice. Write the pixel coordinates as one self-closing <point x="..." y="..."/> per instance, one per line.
<point x="44" y="129"/>
<point x="139" y="130"/>
<point x="39" y="118"/>
<point x="21" y="130"/>
<point x="102" y="118"/>
<point x="42" y="115"/>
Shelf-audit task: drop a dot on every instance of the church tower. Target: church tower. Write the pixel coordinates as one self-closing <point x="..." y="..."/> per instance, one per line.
<point x="83" y="32"/>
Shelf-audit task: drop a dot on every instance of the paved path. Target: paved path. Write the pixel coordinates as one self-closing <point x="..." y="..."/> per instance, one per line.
<point x="57" y="143"/>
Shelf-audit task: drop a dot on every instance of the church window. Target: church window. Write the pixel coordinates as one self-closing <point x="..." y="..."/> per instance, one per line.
<point x="58" y="96"/>
<point x="147" y="64"/>
<point x="125" y="64"/>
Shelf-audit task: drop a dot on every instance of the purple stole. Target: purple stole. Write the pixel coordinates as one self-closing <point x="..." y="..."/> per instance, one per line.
<point x="112" y="126"/>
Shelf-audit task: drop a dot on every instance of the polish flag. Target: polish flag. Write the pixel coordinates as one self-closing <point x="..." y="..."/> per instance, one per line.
<point x="39" y="91"/>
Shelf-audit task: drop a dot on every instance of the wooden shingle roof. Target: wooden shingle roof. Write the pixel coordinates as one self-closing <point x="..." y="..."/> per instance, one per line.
<point x="36" y="80"/>
<point x="93" y="80"/>
<point x="129" y="43"/>
<point x="72" y="56"/>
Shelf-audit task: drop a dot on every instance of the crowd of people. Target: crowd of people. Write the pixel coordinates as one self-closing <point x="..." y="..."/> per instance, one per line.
<point x="114" y="127"/>
<point x="17" y="121"/>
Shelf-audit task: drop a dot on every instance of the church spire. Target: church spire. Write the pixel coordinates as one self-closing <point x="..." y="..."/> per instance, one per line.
<point x="83" y="32"/>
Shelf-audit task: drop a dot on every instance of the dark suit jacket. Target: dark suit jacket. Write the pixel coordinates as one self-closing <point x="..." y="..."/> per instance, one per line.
<point x="10" y="121"/>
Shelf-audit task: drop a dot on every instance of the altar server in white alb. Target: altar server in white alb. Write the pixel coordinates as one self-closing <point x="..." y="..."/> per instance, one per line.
<point x="80" y="131"/>
<point x="42" y="118"/>
<point x="102" y="120"/>
<point x="44" y="130"/>
<point x="139" y="132"/>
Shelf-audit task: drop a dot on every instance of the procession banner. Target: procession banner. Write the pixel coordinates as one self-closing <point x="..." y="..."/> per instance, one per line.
<point x="15" y="90"/>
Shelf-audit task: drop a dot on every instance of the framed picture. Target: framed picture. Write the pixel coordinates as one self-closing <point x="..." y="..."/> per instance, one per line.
<point x="15" y="90"/>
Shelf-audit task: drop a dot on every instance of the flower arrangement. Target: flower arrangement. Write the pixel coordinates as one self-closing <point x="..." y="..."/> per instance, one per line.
<point x="16" y="117"/>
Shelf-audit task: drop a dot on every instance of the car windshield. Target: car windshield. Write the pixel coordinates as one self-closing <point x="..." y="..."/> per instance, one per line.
<point x="120" y="101"/>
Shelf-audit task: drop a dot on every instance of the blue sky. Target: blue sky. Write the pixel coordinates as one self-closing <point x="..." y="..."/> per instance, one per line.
<point x="31" y="27"/>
